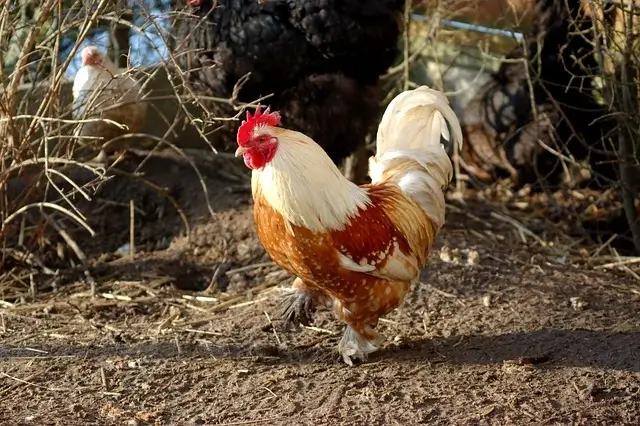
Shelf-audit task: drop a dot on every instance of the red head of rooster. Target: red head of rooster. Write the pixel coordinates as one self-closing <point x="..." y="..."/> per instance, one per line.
<point x="257" y="147"/>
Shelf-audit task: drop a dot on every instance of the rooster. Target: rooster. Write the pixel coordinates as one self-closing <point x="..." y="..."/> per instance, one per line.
<point x="357" y="249"/>
<point x="99" y="91"/>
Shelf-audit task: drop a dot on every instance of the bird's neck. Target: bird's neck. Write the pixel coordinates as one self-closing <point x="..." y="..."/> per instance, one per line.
<point x="305" y="186"/>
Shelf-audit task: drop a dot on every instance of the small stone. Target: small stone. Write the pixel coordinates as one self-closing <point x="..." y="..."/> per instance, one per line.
<point x="450" y="255"/>
<point x="473" y="257"/>
<point x="577" y="303"/>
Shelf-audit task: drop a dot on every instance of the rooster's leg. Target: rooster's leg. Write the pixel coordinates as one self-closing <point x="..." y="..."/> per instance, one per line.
<point x="358" y="341"/>
<point x="359" y="338"/>
<point x="300" y="303"/>
<point x="361" y="314"/>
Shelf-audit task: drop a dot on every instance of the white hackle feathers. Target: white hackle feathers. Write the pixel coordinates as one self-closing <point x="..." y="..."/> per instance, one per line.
<point x="409" y="149"/>
<point x="305" y="186"/>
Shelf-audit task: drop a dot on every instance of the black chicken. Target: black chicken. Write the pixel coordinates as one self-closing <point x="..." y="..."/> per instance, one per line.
<point x="502" y="127"/>
<point x="322" y="60"/>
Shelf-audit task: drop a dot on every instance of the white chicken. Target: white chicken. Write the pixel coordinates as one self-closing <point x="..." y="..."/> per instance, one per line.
<point x="100" y="91"/>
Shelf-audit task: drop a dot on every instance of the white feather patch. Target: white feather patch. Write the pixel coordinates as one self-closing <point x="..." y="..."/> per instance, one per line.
<point x="305" y="186"/>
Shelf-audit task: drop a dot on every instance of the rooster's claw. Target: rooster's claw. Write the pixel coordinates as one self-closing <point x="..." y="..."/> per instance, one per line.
<point x="297" y="308"/>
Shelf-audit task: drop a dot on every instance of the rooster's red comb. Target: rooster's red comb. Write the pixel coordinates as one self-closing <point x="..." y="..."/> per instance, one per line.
<point x="259" y="118"/>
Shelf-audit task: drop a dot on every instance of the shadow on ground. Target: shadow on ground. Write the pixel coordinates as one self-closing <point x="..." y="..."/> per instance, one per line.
<point x="547" y="348"/>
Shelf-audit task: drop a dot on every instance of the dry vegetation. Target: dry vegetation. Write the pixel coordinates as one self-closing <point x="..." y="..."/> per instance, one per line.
<point x="139" y="294"/>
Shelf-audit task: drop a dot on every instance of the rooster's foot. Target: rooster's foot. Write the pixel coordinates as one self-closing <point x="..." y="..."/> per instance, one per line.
<point x="298" y="307"/>
<point x="355" y="346"/>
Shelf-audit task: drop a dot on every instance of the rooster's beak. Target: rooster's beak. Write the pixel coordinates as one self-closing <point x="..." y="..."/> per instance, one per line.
<point x="241" y="150"/>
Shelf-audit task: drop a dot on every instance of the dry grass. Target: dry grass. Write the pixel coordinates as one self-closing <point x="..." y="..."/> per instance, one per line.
<point x="41" y="176"/>
<point x="36" y="154"/>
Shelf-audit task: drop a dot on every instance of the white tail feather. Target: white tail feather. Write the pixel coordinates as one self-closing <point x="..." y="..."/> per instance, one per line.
<point x="411" y="131"/>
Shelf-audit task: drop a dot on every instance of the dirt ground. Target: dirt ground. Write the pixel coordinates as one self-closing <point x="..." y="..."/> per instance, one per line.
<point x="500" y="332"/>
